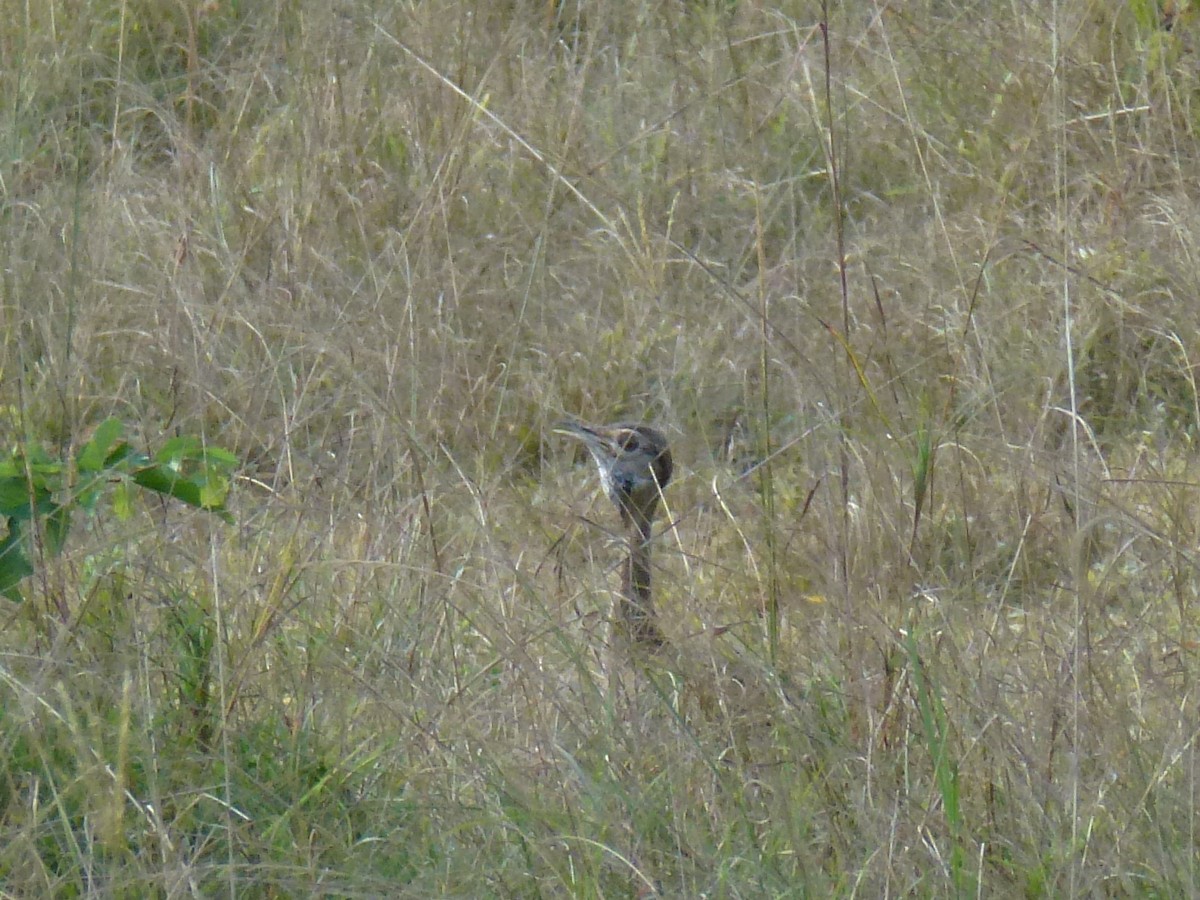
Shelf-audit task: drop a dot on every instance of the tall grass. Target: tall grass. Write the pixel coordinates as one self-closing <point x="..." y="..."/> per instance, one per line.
<point x="910" y="288"/>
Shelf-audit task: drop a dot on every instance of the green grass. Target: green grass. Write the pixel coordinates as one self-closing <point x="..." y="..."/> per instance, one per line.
<point x="916" y="309"/>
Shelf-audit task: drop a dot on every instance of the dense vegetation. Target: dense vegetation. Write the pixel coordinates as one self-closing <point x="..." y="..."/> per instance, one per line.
<point x="913" y="296"/>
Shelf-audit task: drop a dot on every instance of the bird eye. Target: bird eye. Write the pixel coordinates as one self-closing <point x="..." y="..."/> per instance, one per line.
<point x="630" y="441"/>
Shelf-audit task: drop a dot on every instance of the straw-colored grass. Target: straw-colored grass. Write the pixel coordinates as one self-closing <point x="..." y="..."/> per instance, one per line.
<point x="914" y="299"/>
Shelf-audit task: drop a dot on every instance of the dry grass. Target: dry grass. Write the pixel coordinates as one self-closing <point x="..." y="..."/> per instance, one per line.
<point x="924" y="342"/>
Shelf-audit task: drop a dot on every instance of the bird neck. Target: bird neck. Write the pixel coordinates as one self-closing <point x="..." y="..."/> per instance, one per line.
<point x="638" y="518"/>
<point x="637" y="573"/>
<point x="636" y="609"/>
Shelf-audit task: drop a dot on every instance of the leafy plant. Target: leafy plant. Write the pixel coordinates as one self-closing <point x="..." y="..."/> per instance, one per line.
<point x="39" y="493"/>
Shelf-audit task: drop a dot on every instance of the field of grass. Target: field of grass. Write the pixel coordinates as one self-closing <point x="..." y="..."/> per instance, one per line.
<point x="914" y="297"/>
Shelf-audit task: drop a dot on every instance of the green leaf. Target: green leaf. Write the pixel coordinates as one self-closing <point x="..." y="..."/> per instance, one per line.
<point x="188" y="448"/>
<point x="213" y="491"/>
<point x="122" y="501"/>
<point x="180" y="448"/>
<point x="33" y="465"/>
<point x="58" y="523"/>
<point x="159" y="479"/>
<point x="13" y="564"/>
<point x="88" y="493"/>
<point x="31" y="479"/>
<point x="188" y="492"/>
<point x="41" y="465"/>
<point x="203" y="490"/>
<point x="221" y="458"/>
<point x="163" y="479"/>
<point x="94" y="455"/>
<point x="15" y="501"/>
<point x="14" y="495"/>
<point x="123" y="457"/>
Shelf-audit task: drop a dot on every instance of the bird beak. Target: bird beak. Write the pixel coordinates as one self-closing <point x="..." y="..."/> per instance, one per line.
<point x="591" y="436"/>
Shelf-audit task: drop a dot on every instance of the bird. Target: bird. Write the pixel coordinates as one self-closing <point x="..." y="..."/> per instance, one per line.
<point x="635" y="465"/>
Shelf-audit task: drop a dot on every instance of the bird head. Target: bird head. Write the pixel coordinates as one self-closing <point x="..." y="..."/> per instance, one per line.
<point x="634" y="462"/>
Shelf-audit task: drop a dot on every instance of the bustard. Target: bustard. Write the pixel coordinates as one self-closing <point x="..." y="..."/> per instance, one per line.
<point x="634" y="462"/>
